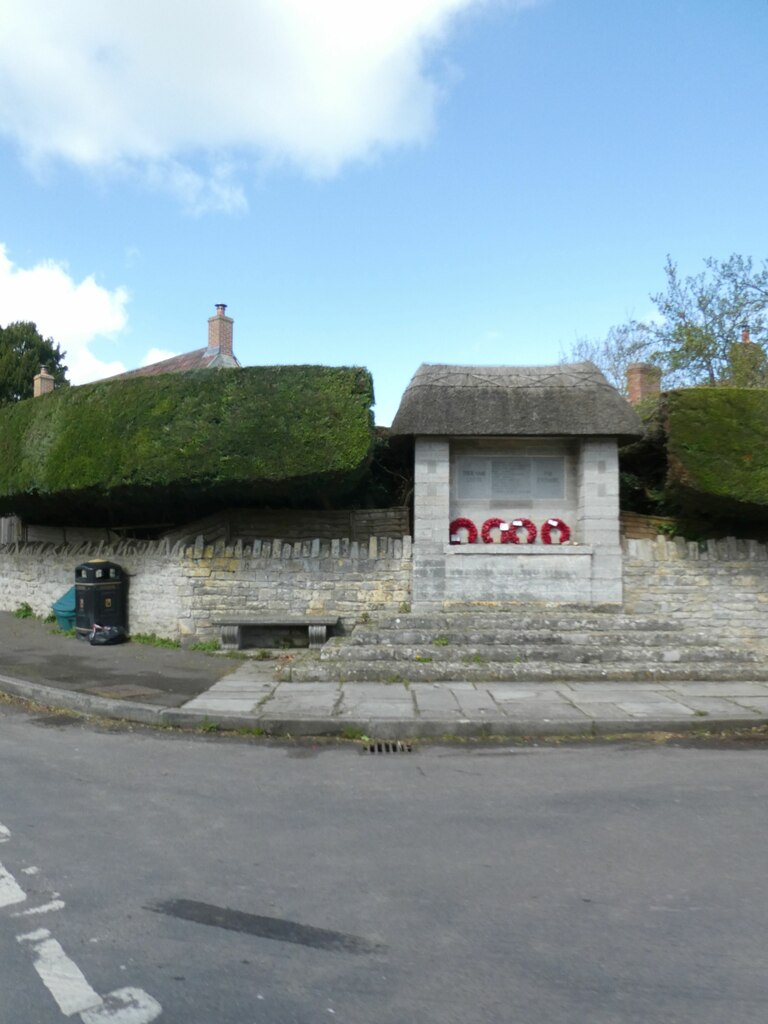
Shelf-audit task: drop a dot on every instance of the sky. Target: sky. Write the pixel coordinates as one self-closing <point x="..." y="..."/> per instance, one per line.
<point x="374" y="183"/>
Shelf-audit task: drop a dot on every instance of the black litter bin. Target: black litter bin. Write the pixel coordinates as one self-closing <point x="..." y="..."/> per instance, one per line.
<point x="100" y="598"/>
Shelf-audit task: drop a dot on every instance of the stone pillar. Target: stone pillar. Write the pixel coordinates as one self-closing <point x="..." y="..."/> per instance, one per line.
<point x="598" y="489"/>
<point x="431" y="518"/>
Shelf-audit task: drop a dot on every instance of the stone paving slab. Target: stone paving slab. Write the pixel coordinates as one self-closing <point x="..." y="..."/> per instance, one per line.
<point x="736" y="688"/>
<point x="368" y="691"/>
<point x="547" y="711"/>
<point x="502" y="692"/>
<point x="378" y="710"/>
<point x="721" y="707"/>
<point x="313" y="704"/>
<point x="759" y="704"/>
<point x="435" y="701"/>
<point x="474" y="701"/>
<point x="602" y="711"/>
<point x="457" y="685"/>
<point x="612" y="691"/>
<point x="239" y="687"/>
<point x="655" y="709"/>
<point x="620" y="697"/>
<point x="224" y="706"/>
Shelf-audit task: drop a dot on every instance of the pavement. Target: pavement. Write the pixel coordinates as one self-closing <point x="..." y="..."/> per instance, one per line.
<point x="159" y="686"/>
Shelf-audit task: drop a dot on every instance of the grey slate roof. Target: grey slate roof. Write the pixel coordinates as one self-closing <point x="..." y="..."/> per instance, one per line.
<point x="566" y="400"/>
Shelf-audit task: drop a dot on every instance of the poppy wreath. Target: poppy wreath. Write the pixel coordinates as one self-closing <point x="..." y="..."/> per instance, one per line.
<point x="492" y="524"/>
<point x="530" y="530"/>
<point x="555" y="524"/>
<point x="462" y="524"/>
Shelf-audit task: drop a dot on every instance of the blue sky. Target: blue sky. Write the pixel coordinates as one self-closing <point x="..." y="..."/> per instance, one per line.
<point x="365" y="183"/>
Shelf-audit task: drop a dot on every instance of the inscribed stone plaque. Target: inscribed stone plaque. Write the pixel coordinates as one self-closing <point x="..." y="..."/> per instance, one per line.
<point x="511" y="478"/>
<point x="474" y="478"/>
<point x="549" y="478"/>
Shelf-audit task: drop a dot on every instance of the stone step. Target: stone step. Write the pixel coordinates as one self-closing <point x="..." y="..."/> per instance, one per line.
<point x="528" y="644"/>
<point x="510" y="636"/>
<point x="310" y="669"/>
<point x="525" y="618"/>
<point x="526" y="653"/>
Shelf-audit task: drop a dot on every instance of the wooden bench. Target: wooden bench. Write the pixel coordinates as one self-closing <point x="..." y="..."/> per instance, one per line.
<point x="316" y="625"/>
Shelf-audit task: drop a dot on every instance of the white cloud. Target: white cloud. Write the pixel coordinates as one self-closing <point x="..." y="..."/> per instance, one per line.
<point x="157" y="355"/>
<point x="73" y="313"/>
<point x="155" y="84"/>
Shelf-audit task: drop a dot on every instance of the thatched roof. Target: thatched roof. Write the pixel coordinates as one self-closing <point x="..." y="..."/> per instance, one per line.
<point x="525" y="401"/>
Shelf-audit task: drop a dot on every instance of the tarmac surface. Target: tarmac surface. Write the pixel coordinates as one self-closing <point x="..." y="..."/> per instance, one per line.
<point x="141" y="683"/>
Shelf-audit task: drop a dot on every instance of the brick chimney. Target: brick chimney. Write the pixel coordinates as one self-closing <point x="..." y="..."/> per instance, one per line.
<point x="745" y="338"/>
<point x="42" y="383"/>
<point x="643" y="381"/>
<point x="220" y="331"/>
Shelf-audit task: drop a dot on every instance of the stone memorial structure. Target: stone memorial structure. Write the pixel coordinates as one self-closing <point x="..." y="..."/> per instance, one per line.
<point x="516" y="490"/>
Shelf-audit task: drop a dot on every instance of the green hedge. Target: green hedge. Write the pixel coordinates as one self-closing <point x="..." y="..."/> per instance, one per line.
<point x="147" y="446"/>
<point x="717" y="449"/>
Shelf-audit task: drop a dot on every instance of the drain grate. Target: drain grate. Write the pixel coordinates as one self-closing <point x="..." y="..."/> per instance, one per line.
<point x="387" y="747"/>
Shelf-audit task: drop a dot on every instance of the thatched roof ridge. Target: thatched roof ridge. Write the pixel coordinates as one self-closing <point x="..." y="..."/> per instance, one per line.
<point x="568" y="400"/>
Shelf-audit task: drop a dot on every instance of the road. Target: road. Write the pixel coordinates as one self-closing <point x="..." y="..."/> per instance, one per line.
<point x="198" y="880"/>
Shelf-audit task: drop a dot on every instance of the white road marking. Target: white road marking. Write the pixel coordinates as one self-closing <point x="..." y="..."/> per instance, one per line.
<point x="30" y="871"/>
<point x="45" y="908"/>
<point x="124" y="1006"/>
<point x="69" y="987"/>
<point x="5" y="833"/>
<point x="41" y="933"/>
<point x="10" y="890"/>
<point x="60" y="975"/>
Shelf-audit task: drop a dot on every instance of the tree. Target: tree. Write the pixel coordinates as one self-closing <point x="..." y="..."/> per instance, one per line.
<point x="747" y="365"/>
<point x="624" y="344"/>
<point x="23" y="351"/>
<point x="711" y="328"/>
<point x="703" y="318"/>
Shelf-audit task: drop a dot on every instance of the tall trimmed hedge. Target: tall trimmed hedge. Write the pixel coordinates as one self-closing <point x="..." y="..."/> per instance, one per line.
<point x="146" y="447"/>
<point x="717" y="449"/>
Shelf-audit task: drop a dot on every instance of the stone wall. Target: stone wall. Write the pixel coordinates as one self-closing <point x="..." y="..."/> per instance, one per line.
<point x="720" y="586"/>
<point x="312" y="576"/>
<point x="183" y="590"/>
<point x="716" y="585"/>
<point x="40" y="573"/>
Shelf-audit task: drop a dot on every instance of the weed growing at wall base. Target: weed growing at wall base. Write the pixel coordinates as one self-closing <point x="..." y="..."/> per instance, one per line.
<point x="208" y="646"/>
<point x="153" y="640"/>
